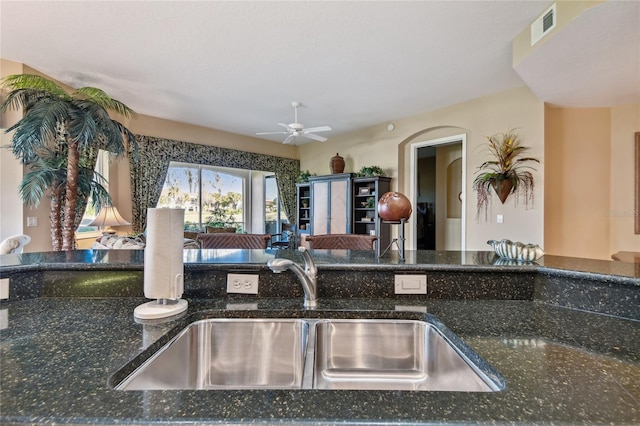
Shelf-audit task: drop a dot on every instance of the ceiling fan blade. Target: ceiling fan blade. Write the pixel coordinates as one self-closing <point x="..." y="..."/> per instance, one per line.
<point x="272" y="133"/>
<point x="289" y="140"/>
<point x="314" y="137"/>
<point x="286" y="126"/>
<point x="318" y="129"/>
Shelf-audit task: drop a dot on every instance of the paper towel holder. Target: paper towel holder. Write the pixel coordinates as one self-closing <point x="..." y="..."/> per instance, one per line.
<point x="163" y="265"/>
<point x="160" y="308"/>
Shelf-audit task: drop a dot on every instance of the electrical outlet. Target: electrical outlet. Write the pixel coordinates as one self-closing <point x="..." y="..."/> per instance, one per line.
<point x="4" y="288"/>
<point x="411" y="284"/>
<point x="242" y="283"/>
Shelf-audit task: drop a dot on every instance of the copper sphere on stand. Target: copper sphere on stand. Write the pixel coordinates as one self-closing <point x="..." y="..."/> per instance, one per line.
<point x="394" y="206"/>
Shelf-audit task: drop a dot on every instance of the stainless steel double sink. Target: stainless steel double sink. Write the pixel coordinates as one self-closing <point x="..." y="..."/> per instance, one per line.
<point x="294" y="353"/>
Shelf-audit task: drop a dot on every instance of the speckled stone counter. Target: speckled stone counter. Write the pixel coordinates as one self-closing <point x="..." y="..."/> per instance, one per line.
<point x="58" y="351"/>
<point x="560" y="365"/>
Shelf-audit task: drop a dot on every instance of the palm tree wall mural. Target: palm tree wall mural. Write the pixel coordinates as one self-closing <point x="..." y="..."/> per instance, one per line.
<point x="62" y="131"/>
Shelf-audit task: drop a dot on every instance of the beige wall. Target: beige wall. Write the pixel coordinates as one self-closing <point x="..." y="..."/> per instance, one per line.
<point x="10" y="169"/>
<point x="589" y="204"/>
<point x="516" y="108"/>
<point x="577" y="155"/>
<point x="625" y="122"/>
<point x="14" y="214"/>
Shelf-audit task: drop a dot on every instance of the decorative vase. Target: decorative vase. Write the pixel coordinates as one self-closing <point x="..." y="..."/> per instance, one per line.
<point x="507" y="249"/>
<point x="394" y="207"/>
<point x="502" y="188"/>
<point x="336" y="164"/>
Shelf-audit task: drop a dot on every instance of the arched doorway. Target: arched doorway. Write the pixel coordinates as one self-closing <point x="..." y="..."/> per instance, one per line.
<point x="438" y="173"/>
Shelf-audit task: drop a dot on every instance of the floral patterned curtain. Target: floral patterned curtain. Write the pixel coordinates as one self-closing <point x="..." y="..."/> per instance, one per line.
<point x="149" y="170"/>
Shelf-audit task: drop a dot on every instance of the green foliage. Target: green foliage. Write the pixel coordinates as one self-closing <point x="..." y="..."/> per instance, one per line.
<point x="371" y="202"/>
<point x="371" y="171"/>
<point x="304" y="176"/>
<point x="223" y="208"/>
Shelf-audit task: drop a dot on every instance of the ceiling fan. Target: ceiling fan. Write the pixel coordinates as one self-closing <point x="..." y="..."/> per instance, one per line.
<point x="295" y="129"/>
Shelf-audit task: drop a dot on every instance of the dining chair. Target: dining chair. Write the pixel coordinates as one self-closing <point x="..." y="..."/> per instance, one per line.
<point x="342" y="241"/>
<point x="231" y="240"/>
<point x="286" y="238"/>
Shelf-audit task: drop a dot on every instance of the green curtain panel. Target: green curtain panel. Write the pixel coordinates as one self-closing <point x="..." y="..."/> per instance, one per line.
<point x="149" y="170"/>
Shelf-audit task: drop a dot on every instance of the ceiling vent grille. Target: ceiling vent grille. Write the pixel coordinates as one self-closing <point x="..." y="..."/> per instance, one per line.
<point x="545" y="23"/>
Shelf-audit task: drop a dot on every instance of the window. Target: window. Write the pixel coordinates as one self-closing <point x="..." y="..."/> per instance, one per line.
<point x="102" y="169"/>
<point x="274" y="214"/>
<point x="210" y="196"/>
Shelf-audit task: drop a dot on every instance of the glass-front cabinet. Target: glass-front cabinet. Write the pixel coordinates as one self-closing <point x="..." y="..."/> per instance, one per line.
<point x="331" y="204"/>
<point x="303" y="191"/>
<point x="366" y="193"/>
<point x="342" y="204"/>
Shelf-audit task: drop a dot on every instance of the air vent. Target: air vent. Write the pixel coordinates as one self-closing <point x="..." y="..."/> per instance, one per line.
<point x="545" y="23"/>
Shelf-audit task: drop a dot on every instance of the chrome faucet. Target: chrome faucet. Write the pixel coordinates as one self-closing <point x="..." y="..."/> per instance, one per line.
<point x="308" y="277"/>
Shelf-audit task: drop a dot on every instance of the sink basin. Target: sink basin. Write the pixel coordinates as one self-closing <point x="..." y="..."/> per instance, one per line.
<point x="227" y="354"/>
<point x="283" y="353"/>
<point x="391" y="355"/>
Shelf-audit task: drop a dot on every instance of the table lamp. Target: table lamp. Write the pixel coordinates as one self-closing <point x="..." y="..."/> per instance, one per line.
<point x="107" y="217"/>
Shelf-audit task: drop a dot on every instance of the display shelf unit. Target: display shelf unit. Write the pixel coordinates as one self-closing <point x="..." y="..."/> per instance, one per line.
<point x="366" y="193"/>
<point x="303" y="207"/>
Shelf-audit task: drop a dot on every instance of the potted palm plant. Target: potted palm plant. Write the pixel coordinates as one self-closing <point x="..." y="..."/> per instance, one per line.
<point x="71" y="124"/>
<point x="506" y="173"/>
<point x="47" y="175"/>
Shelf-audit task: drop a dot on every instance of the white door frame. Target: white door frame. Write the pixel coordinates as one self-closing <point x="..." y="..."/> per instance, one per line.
<point x="414" y="183"/>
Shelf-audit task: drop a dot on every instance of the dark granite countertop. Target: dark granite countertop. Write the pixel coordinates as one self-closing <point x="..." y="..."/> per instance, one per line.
<point x="561" y="366"/>
<point x="326" y="259"/>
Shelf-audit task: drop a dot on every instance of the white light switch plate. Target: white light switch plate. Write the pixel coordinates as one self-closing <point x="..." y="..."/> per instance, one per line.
<point x="411" y="284"/>
<point x="242" y="283"/>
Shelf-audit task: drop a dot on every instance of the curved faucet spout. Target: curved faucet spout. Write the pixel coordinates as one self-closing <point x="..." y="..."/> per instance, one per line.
<point x="307" y="277"/>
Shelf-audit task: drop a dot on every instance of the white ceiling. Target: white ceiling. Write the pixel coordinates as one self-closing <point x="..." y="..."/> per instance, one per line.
<point x="237" y="65"/>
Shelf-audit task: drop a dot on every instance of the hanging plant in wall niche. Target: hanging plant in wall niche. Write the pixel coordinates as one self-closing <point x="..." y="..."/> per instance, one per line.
<point x="506" y="173"/>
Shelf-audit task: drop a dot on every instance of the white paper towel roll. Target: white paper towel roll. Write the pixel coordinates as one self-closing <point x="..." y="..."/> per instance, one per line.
<point x="163" y="265"/>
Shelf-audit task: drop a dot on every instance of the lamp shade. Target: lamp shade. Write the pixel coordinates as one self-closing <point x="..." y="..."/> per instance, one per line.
<point x="109" y="216"/>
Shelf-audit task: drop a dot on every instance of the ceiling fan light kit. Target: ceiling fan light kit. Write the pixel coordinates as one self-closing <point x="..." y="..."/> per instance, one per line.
<point x="296" y="129"/>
